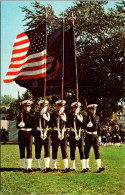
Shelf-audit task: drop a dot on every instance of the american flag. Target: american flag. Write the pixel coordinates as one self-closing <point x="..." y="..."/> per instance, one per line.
<point x="28" y="56"/>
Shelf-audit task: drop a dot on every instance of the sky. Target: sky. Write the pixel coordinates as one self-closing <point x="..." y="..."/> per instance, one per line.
<point x="11" y="25"/>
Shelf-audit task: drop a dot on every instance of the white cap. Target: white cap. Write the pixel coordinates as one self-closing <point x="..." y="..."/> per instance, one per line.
<point x="27" y="102"/>
<point x="94" y="106"/>
<point x="75" y="104"/>
<point x="42" y="102"/>
<point x="62" y="102"/>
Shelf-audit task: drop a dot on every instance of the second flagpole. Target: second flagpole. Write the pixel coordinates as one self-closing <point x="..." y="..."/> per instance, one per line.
<point x="77" y="94"/>
<point x="62" y="75"/>
<point x="63" y="62"/>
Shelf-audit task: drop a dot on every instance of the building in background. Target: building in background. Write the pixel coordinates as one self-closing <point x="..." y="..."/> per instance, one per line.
<point x="4" y="111"/>
<point x="8" y="129"/>
<point x="120" y="117"/>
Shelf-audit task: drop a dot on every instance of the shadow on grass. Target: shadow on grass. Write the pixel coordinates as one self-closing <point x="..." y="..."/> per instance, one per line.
<point x="33" y="170"/>
<point x="42" y="171"/>
<point x="17" y="170"/>
<point x="10" y="169"/>
<point x="14" y="170"/>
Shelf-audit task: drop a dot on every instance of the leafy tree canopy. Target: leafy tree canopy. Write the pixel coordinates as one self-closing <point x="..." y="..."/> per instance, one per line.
<point x="7" y="100"/>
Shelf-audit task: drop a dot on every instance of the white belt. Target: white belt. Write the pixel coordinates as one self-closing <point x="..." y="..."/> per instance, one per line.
<point x="73" y="130"/>
<point x="25" y="129"/>
<point x="40" y="129"/>
<point x="104" y="136"/>
<point x="56" y="129"/>
<point x="92" y="133"/>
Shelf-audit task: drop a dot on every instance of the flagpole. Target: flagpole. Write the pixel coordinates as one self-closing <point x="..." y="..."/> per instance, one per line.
<point x="62" y="75"/>
<point x="77" y="95"/>
<point x="63" y="62"/>
<point x="44" y="136"/>
<point x="45" y="62"/>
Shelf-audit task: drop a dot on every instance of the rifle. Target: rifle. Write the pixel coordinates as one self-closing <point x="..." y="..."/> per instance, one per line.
<point x="88" y="113"/>
<point x="20" y="107"/>
<point x="86" y="104"/>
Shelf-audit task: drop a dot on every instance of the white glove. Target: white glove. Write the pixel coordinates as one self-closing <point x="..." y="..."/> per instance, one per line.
<point x="21" y="124"/>
<point x="99" y="138"/>
<point x="77" y="111"/>
<point x="63" y="117"/>
<point x="61" y="110"/>
<point x="89" y="124"/>
<point x="43" y="110"/>
<point x="47" y="118"/>
<point x="79" y="117"/>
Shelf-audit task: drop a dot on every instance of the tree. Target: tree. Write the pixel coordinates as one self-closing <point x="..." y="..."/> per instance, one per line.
<point x="7" y="100"/>
<point x="100" y="47"/>
<point x="13" y="110"/>
<point x="37" y="16"/>
<point x="12" y="103"/>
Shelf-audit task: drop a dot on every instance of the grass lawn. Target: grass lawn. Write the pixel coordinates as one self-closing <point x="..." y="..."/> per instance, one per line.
<point x="111" y="181"/>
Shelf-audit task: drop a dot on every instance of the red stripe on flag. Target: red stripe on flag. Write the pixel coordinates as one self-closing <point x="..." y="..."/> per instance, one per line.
<point x="20" y="50"/>
<point x="20" y="35"/>
<point x="21" y="42"/>
<point x="26" y="69"/>
<point x="25" y="77"/>
<point x="19" y="58"/>
<point x="28" y="61"/>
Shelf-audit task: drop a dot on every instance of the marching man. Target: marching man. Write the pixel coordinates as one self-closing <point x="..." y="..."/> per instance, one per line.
<point x="103" y="135"/>
<point x="116" y="136"/>
<point x="42" y="135"/>
<point x="25" y="137"/>
<point x="92" y="126"/>
<point x="59" y="135"/>
<point x="76" y="135"/>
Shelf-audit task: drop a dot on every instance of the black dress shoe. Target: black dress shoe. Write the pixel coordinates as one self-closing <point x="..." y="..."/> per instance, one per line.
<point x="29" y="170"/>
<point x="38" y="169"/>
<point x="23" y="170"/>
<point x="55" y="170"/>
<point x="47" y="170"/>
<point x="87" y="169"/>
<point x="84" y="171"/>
<point x="66" y="170"/>
<point x="100" y="169"/>
<point x="73" y="170"/>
